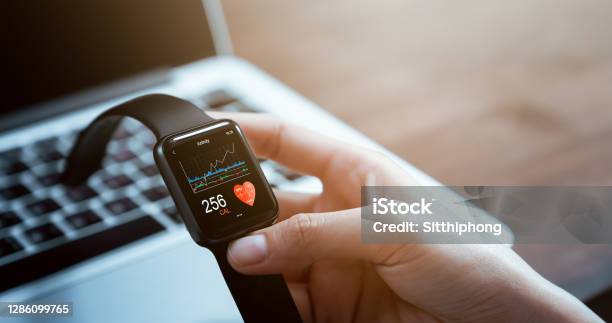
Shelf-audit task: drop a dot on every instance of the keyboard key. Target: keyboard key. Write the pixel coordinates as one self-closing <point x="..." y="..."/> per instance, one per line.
<point x="173" y="214"/>
<point x="121" y="206"/>
<point x="49" y="179"/>
<point x="14" y="168"/>
<point x="118" y="181"/>
<point x="218" y="98"/>
<point x="8" y="219"/>
<point x="289" y="174"/>
<point x="43" y="207"/>
<point x="71" y="136"/>
<point x="47" y="143"/>
<point x="43" y="233"/>
<point x="80" y="193"/>
<point x="122" y="133"/>
<point x="124" y="155"/>
<point x="8" y="246"/>
<point x="11" y="155"/>
<point x="156" y="193"/>
<point x="83" y="219"/>
<point x="149" y="170"/>
<point x="149" y="143"/>
<point x="65" y="255"/>
<point x="292" y="176"/>
<point x="50" y="156"/>
<point x="134" y="126"/>
<point x="238" y="107"/>
<point x="14" y="192"/>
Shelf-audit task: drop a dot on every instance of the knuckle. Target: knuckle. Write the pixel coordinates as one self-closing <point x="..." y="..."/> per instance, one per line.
<point x="302" y="228"/>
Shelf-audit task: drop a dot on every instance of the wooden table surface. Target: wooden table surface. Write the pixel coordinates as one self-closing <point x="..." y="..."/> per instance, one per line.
<point x="518" y="92"/>
<point x="474" y="93"/>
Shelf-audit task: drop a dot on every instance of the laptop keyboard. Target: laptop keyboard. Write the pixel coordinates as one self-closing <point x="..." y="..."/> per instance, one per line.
<point x="46" y="227"/>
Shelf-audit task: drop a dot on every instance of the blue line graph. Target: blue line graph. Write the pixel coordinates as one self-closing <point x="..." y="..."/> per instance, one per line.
<point x="191" y="180"/>
<point x="215" y="172"/>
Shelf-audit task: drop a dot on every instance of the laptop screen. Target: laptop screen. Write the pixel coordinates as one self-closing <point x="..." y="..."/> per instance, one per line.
<point x="54" y="48"/>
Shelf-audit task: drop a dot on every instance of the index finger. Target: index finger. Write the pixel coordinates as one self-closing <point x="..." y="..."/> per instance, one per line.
<point x="300" y="149"/>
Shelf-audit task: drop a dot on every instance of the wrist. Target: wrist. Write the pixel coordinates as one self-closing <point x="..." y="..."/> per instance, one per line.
<point x="543" y="301"/>
<point x="517" y="293"/>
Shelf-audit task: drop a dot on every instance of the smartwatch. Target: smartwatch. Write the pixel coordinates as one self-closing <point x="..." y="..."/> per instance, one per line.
<point x="216" y="184"/>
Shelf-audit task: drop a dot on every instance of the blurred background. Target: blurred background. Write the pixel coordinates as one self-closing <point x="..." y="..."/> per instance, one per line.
<point x="472" y="92"/>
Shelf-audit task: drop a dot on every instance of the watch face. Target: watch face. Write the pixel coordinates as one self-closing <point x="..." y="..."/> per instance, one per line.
<point x="220" y="179"/>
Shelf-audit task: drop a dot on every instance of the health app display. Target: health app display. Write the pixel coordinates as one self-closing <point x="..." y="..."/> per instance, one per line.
<point x="220" y="179"/>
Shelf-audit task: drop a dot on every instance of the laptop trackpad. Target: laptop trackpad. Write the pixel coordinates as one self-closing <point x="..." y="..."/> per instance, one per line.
<point x="180" y="284"/>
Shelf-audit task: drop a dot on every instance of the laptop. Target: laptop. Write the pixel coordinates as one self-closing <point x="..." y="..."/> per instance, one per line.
<point x="115" y="248"/>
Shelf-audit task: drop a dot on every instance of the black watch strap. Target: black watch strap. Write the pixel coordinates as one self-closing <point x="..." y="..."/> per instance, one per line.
<point x="163" y="114"/>
<point x="259" y="298"/>
<point x="263" y="298"/>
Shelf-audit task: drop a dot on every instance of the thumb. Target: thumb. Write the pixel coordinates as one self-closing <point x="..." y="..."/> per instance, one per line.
<point x="302" y="239"/>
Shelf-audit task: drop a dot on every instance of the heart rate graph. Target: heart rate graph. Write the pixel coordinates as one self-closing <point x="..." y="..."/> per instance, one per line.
<point x="208" y="170"/>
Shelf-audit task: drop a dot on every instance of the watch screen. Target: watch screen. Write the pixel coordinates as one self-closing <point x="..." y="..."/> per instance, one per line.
<point x="224" y="187"/>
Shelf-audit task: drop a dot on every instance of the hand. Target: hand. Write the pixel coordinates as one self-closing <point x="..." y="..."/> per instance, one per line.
<point x="334" y="277"/>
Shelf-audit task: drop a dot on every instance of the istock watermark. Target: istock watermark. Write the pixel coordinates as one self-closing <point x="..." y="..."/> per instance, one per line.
<point x="486" y="214"/>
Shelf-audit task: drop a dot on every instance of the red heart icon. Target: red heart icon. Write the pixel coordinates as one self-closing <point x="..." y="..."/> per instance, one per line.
<point x="245" y="192"/>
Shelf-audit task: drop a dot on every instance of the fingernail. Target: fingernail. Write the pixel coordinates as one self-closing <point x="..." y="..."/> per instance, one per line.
<point x="249" y="250"/>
